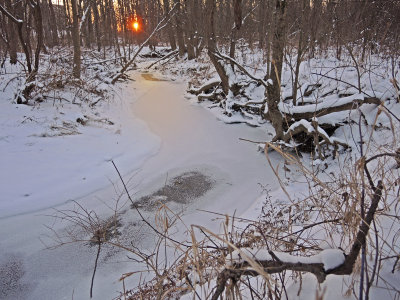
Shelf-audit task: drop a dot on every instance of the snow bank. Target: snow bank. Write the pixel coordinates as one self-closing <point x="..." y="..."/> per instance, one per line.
<point x="48" y="158"/>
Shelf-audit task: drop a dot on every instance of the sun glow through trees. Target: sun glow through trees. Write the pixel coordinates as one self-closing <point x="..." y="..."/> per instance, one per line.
<point x="135" y="25"/>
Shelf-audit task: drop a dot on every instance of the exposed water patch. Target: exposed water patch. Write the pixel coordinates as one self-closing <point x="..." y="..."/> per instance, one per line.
<point x="11" y="272"/>
<point x="181" y="189"/>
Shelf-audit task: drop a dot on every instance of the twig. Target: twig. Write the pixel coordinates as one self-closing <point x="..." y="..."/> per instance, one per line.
<point x="173" y="53"/>
<point x="159" y="26"/>
<point x="95" y="265"/>
<point x="140" y="214"/>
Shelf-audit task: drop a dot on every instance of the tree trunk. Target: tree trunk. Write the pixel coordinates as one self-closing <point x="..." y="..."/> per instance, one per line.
<point x="270" y="32"/>
<point x="87" y="26"/>
<point x="262" y="25"/>
<point x="273" y="91"/>
<point x="237" y="12"/>
<point x="46" y="20"/>
<point x="96" y="24"/>
<point x="178" y="26"/>
<point x="12" y="37"/>
<point x="53" y="27"/>
<point x="170" y="29"/>
<point x="190" y="29"/>
<point x="76" y="72"/>
<point x="37" y="12"/>
<point x="212" y="46"/>
<point x="300" y="51"/>
<point x="20" y="24"/>
<point x="67" y="21"/>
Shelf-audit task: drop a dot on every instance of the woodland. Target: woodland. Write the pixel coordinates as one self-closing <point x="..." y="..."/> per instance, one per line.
<point x="321" y="77"/>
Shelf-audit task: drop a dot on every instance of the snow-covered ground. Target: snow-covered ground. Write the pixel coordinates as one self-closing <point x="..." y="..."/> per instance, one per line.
<point x="372" y="128"/>
<point x="49" y="158"/>
<point x="155" y="134"/>
<point x="55" y="153"/>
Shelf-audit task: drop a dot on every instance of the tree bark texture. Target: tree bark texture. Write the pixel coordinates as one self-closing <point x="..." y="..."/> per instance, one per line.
<point x="170" y="29"/>
<point x="212" y="46"/>
<point x="179" y="30"/>
<point x="76" y="71"/>
<point x="273" y="91"/>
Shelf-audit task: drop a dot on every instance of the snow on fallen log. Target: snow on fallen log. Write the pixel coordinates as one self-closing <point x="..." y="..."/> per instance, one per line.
<point x="311" y="128"/>
<point x="329" y="258"/>
<point x="332" y="261"/>
<point x="329" y="105"/>
<point x="205" y="87"/>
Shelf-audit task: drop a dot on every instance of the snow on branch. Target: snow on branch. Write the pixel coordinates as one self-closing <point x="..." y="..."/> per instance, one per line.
<point x="328" y="106"/>
<point x="205" y="87"/>
<point x="255" y="262"/>
<point x="246" y="16"/>
<point x="329" y="258"/>
<point x="172" y="53"/>
<point x="241" y="68"/>
<point x="311" y="128"/>
<point x="84" y="16"/>
<point x="10" y="16"/>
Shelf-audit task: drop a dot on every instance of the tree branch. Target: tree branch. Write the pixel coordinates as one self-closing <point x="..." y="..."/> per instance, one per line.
<point x="10" y="16"/>
<point x="272" y="266"/>
<point x="159" y="26"/>
<point x="241" y="68"/>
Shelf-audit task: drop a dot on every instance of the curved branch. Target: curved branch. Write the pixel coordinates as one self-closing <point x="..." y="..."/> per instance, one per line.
<point x="271" y="266"/>
<point x="241" y="68"/>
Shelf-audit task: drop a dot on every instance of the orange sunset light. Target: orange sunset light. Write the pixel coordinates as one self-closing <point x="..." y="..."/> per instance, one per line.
<point x="135" y="25"/>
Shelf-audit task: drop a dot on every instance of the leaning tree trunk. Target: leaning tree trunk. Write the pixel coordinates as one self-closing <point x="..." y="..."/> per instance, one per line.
<point x="273" y="91"/>
<point x="76" y="72"/>
<point x="212" y="46"/>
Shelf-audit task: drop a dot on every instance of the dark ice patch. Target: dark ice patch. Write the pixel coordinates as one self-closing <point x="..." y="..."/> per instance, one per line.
<point x="181" y="189"/>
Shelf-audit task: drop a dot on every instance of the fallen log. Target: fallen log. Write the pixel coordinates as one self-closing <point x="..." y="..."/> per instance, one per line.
<point x="206" y="87"/>
<point x="327" y="107"/>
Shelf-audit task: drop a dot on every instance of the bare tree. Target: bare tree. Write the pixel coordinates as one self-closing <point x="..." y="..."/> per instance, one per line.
<point x="76" y="40"/>
<point x="273" y="91"/>
<point x="179" y="29"/>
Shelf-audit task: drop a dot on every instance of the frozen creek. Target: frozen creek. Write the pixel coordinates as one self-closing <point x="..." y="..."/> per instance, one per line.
<point x="191" y="141"/>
